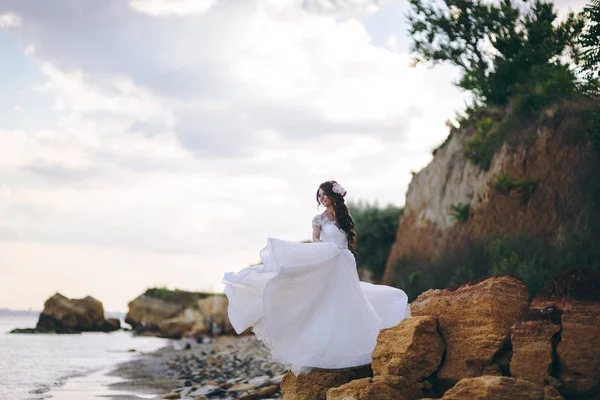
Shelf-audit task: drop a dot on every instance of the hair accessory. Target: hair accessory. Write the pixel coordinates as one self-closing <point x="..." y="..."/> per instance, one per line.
<point x="337" y="188"/>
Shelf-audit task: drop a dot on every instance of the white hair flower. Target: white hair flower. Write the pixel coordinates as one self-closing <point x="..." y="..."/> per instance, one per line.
<point x="337" y="188"/>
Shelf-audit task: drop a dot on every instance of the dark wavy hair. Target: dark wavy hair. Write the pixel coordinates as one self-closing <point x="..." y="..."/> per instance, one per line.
<point x="344" y="219"/>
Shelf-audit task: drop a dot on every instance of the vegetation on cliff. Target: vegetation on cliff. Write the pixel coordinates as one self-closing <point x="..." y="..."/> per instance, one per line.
<point x="534" y="86"/>
<point x="376" y="229"/>
<point x="177" y="296"/>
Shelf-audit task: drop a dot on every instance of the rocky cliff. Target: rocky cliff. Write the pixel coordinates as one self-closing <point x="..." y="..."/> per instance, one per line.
<point x="481" y="340"/>
<point x="541" y="181"/>
<point x="178" y="313"/>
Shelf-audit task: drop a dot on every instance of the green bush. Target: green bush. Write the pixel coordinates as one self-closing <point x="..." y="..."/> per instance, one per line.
<point x="529" y="258"/>
<point x="487" y="139"/>
<point x="176" y="296"/>
<point x="533" y="260"/>
<point x="589" y="57"/>
<point x="460" y="212"/>
<point x="376" y="229"/>
<point x="525" y="187"/>
<point x="547" y="85"/>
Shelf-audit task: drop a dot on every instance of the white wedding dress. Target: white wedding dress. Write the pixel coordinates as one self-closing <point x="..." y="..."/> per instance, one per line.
<point x="308" y="306"/>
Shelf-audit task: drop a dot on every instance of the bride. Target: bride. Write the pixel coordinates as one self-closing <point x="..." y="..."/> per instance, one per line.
<point x="306" y="302"/>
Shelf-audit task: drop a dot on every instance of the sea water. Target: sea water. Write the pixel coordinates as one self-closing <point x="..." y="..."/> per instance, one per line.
<point x="38" y="366"/>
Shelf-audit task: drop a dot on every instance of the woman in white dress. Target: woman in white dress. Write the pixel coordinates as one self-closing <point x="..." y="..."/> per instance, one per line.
<point x="306" y="302"/>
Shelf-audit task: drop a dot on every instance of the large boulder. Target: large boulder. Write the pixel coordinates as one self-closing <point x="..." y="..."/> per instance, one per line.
<point x="214" y="310"/>
<point x="576" y="295"/>
<point x="475" y="321"/>
<point x="412" y="349"/>
<point x="494" y="387"/>
<point x="176" y="328"/>
<point x="110" y="324"/>
<point x="64" y="315"/>
<point x="579" y="349"/>
<point x="149" y="309"/>
<point x="314" y="384"/>
<point x="177" y="313"/>
<point x="383" y="387"/>
<point x="534" y="342"/>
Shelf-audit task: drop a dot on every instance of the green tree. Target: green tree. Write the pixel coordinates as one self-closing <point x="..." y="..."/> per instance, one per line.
<point x="376" y="229"/>
<point x="590" y="43"/>
<point x="497" y="47"/>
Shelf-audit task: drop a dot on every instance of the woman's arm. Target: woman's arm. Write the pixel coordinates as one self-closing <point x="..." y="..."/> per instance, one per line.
<point x="316" y="236"/>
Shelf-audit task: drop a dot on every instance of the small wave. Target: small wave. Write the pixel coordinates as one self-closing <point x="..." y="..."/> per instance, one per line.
<point x="41" y="389"/>
<point x="75" y="374"/>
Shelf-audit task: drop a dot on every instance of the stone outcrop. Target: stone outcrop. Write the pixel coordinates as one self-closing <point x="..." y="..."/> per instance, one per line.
<point x="494" y="387"/>
<point x="214" y="310"/>
<point x="481" y="340"/>
<point x="475" y="321"/>
<point x="147" y="311"/>
<point x="411" y="349"/>
<point x="575" y="294"/>
<point x="179" y="326"/>
<point x="177" y="313"/>
<point x="64" y="315"/>
<point x="315" y="384"/>
<point x="534" y="342"/>
<point x="382" y="387"/>
<point x="579" y="349"/>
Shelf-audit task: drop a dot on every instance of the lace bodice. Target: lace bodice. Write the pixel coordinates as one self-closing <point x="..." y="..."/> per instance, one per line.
<point x="330" y="232"/>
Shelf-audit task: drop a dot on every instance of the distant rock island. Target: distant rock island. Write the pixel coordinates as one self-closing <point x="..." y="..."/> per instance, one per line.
<point x="64" y="315"/>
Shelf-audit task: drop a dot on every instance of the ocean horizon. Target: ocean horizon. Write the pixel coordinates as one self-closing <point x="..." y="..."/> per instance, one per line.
<point x="40" y="366"/>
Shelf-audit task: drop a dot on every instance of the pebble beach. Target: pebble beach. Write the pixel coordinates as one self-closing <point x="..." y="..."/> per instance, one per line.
<point x="227" y="367"/>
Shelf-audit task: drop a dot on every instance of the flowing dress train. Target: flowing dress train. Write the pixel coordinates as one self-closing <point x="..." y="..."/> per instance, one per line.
<point x="308" y="306"/>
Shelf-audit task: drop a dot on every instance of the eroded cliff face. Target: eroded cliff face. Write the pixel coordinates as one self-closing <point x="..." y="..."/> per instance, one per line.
<point x="555" y="155"/>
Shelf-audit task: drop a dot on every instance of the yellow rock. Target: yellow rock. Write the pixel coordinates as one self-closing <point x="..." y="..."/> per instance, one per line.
<point x="377" y="388"/>
<point x="475" y="321"/>
<point x="412" y="349"/>
<point x="494" y="387"/>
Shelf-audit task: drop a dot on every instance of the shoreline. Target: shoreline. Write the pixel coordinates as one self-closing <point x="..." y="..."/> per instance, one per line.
<point x="122" y="380"/>
<point x="227" y="367"/>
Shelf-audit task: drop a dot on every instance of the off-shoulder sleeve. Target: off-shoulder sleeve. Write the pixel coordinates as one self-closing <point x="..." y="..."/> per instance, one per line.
<point x="317" y="221"/>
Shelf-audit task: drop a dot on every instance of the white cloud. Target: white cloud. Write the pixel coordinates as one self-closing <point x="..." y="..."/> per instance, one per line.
<point x="392" y="43"/>
<point x="117" y="96"/>
<point x="172" y="7"/>
<point x="9" y="20"/>
<point x="351" y="7"/>
<point x="29" y="50"/>
<point x="198" y="145"/>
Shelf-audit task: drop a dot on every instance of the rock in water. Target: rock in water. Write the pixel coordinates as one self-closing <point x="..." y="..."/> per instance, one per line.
<point x="475" y="321"/>
<point x="64" y="315"/>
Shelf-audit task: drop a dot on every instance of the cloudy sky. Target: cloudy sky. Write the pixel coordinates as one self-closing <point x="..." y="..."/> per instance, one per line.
<point x="160" y="142"/>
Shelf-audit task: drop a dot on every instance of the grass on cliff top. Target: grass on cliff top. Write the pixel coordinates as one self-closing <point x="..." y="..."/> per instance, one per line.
<point x="178" y="296"/>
